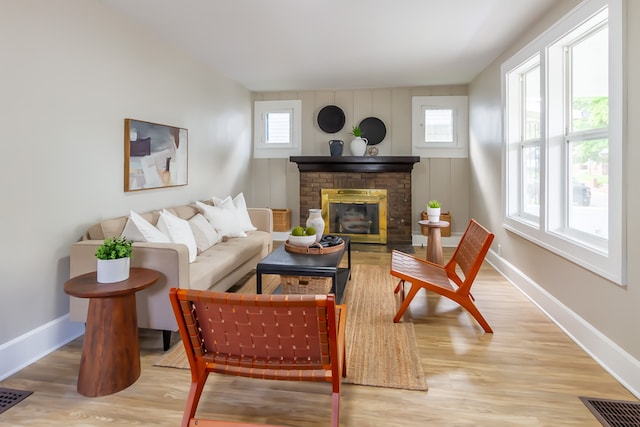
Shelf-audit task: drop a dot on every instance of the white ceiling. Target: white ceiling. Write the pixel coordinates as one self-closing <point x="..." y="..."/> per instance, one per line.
<point x="281" y="45"/>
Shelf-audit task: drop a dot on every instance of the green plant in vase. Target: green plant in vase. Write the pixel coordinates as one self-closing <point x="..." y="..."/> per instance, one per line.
<point x="114" y="259"/>
<point x="433" y="210"/>
<point x="115" y="248"/>
<point x="358" y="145"/>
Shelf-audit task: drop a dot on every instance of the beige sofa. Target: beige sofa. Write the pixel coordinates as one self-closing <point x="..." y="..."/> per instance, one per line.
<point x="218" y="268"/>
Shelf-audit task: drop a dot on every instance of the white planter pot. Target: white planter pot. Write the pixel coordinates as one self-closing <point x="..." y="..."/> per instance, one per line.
<point x="434" y="214"/>
<point x="113" y="270"/>
<point x="358" y="146"/>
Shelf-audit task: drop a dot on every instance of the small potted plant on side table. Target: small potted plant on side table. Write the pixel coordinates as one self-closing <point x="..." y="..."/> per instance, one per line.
<point x="114" y="259"/>
<point x="433" y="210"/>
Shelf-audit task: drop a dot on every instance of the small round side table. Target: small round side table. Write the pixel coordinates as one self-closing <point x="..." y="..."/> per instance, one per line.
<point x="434" y="240"/>
<point x="110" y="359"/>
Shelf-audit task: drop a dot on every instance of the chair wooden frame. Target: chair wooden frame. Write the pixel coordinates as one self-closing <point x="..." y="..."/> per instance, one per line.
<point x="468" y="256"/>
<point x="277" y="337"/>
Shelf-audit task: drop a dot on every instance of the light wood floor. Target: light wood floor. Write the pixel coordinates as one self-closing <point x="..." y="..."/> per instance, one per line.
<point x="528" y="373"/>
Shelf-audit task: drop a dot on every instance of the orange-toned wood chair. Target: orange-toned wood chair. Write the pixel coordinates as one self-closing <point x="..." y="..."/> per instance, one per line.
<point x="468" y="256"/>
<point x="277" y="337"/>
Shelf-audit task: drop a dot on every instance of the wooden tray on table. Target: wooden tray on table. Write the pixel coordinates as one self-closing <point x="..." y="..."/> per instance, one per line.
<point x="314" y="249"/>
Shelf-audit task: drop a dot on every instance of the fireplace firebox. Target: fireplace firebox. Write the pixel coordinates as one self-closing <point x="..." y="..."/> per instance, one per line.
<point x="358" y="213"/>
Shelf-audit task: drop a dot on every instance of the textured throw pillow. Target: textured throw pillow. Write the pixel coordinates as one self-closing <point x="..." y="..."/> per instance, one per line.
<point x="139" y="229"/>
<point x="203" y="232"/>
<point x="224" y="220"/>
<point x="240" y="205"/>
<point x="179" y="231"/>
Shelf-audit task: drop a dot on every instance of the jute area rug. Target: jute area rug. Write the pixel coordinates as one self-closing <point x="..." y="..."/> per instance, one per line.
<point x="379" y="352"/>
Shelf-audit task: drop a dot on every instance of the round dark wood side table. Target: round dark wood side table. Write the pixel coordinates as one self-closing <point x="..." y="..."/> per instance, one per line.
<point x="110" y="359"/>
<point x="434" y="240"/>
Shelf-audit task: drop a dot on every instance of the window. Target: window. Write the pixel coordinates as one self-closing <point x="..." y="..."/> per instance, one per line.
<point x="563" y="136"/>
<point x="440" y="126"/>
<point x="277" y="129"/>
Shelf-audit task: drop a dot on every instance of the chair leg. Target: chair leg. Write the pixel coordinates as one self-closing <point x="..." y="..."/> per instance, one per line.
<point x="195" y="391"/>
<point x="335" y="409"/>
<point x="468" y="305"/>
<point x="399" y="287"/>
<point x="407" y="300"/>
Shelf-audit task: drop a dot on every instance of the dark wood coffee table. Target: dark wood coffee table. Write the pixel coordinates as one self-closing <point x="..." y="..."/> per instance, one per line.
<point x="292" y="264"/>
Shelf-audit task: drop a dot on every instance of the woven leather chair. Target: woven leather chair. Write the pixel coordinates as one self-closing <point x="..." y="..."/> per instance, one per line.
<point x="277" y="337"/>
<point x="468" y="256"/>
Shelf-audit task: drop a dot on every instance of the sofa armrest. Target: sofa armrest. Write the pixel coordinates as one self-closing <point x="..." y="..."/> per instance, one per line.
<point x="262" y="219"/>
<point x="153" y="307"/>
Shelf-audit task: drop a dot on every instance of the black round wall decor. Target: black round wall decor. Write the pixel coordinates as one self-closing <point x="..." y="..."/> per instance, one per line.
<point x="331" y="119"/>
<point x="373" y="129"/>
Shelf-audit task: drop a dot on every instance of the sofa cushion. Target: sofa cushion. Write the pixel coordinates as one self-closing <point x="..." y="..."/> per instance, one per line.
<point x="179" y="231"/>
<point x="203" y="232"/>
<point x="217" y="261"/>
<point x="139" y="229"/>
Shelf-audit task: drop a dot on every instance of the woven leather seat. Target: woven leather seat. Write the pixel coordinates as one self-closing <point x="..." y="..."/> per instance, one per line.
<point x="276" y="337"/>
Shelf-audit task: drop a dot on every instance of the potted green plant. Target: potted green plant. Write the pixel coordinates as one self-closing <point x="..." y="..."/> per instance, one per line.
<point x="114" y="259"/>
<point x="433" y="210"/>
<point x="359" y="144"/>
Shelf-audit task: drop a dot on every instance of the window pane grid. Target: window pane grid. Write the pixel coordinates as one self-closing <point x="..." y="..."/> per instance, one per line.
<point x="278" y="128"/>
<point x="438" y="125"/>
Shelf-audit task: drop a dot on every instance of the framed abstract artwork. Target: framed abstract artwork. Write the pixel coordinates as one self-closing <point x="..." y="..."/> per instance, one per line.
<point x="155" y="155"/>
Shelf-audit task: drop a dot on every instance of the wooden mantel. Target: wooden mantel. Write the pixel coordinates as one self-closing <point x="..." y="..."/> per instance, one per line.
<point x="355" y="163"/>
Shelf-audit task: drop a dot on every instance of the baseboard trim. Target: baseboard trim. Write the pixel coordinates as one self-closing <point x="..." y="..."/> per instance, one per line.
<point x="615" y="360"/>
<point x="22" y="351"/>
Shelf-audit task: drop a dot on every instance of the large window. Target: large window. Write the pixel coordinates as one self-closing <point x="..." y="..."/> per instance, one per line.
<point x="563" y="136"/>
<point x="277" y="129"/>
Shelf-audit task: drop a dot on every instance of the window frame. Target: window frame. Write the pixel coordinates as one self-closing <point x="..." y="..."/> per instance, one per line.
<point x="608" y="260"/>
<point x="459" y="147"/>
<point x="262" y="149"/>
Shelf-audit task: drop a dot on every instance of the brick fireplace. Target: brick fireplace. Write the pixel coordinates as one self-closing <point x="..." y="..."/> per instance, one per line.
<point x="391" y="173"/>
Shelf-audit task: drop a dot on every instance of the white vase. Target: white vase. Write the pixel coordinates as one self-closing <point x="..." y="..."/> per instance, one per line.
<point x="315" y="220"/>
<point x="358" y="146"/>
<point x="434" y="214"/>
<point x="113" y="270"/>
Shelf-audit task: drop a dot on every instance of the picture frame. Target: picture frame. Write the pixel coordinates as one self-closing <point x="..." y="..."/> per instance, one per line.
<point x="155" y="155"/>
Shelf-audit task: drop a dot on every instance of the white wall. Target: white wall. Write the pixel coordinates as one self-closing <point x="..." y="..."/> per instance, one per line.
<point x="72" y="71"/>
<point x="276" y="182"/>
<point x="600" y="315"/>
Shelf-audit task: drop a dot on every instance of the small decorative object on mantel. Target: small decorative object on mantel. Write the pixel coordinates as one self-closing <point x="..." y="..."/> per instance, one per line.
<point x="433" y="210"/>
<point x="372" y="151"/>
<point x="114" y="259"/>
<point x="358" y="144"/>
<point x="335" y="147"/>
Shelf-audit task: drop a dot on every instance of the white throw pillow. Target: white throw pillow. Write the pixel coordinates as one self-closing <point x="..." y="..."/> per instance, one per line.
<point x="179" y="231"/>
<point x="203" y="232"/>
<point x="240" y="206"/>
<point x="243" y="214"/>
<point x="139" y="229"/>
<point x="224" y="220"/>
